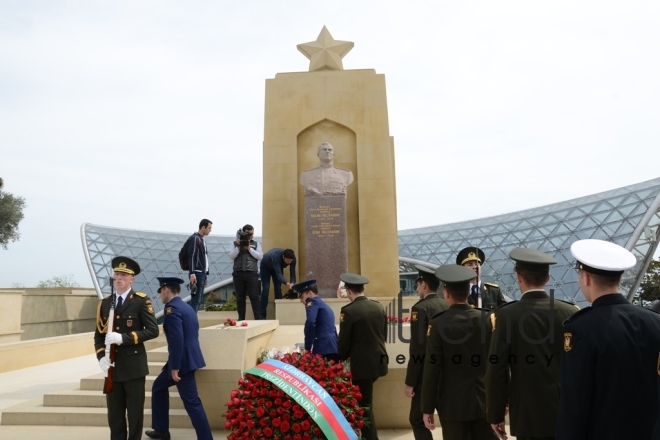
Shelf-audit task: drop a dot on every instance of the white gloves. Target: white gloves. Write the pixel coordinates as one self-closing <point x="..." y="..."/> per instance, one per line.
<point x="113" y="338"/>
<point x="103" y="363"/>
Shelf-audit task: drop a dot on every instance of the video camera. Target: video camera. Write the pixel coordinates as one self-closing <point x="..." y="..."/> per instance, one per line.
<point x="243" y="237"/>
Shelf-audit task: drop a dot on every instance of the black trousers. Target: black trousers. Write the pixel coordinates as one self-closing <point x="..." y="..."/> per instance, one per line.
<point x="247" y="284"/>
<point x="126" y="399"/>
<point x="416" y="417"/>
<point x="478" y="429"/>
<point x="367" y="390"/>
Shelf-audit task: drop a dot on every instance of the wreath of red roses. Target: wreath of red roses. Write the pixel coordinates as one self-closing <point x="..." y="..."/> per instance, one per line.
<point x="259" y="409"/>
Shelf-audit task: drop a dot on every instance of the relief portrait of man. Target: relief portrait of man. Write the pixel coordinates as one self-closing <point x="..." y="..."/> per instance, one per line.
<point x="326" y="179"/>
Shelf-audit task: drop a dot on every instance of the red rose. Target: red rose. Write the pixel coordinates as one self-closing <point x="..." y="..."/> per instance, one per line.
<point x="269" y="404"/>
<point x="305" y="425"/>
<point x="250" y="424"/>
<point x="268" y="432"/>
<point x="261" y="412"/>
<point x="272" y="413"/>
<point x="276" y="422"/>
<point x="286" y="416"/>
<point x="296" y="427"/>
<point x="234" y="393"/>
<point x="317" y="431"/>
<point x="227" y="425"/>
<point x="284" y="427"/>
<point x="297" y="437"/>
<point x="280" y="409"/>
<point x="286" y="404"/>
<point x="360" y="424"/>
<point x="298" y="415"/>
<point x="296" y="408"/>
<point x="306" y="437"/>
<point x="263" y="422"/>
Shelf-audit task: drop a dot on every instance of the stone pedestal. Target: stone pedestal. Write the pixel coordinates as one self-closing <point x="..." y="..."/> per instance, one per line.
<point x="326" y="244"/>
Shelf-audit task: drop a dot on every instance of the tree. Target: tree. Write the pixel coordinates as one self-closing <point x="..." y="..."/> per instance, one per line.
<point x="650" y="285"/>
<point x="55" y="282"/>
<point x="11" y="214"/>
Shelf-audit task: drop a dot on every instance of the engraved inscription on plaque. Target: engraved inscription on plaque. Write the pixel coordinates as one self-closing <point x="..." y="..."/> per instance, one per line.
<point x="326" y="242"/>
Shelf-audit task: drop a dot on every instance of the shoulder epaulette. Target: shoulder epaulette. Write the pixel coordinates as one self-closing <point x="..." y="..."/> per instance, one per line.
<point x="141" y="294"/>
<point x="569" y="303"/>
<point x="578" y="313"/>
<point x="491" y="284"/>
<point x="347" y="305"/>
<point x="418" y="302"/>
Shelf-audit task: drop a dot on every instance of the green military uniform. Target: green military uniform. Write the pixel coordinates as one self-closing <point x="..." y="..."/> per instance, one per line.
<point x="524" y="357"/>
<point x="136" y="322"/>
<point x="362" y="335"/>
<point x="455" y="365"/>
<point x="420" y="316"/>
<point x="491" y="297"/>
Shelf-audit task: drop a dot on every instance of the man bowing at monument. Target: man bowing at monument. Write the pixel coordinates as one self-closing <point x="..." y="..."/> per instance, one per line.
<point x="185" y="357"/>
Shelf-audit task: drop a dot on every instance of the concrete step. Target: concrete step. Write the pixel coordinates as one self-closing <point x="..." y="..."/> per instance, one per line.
<point x="95" y="383"/>
<point x="158" y="355"/>
<point x="96" y="399"/>
<point x="33" y="412"/>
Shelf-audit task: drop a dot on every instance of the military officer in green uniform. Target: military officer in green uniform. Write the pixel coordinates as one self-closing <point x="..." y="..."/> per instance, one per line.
<point x="362" y="335"/>
<point x="490" y="294"/>
<point x="455" y="362"/>
<point x="134" y="323"/>
<point x="525" y="352"/>
<point x="429" y="305"/>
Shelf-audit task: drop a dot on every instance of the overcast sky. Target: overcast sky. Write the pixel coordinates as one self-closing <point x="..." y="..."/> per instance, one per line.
<point x="149" y="114"/>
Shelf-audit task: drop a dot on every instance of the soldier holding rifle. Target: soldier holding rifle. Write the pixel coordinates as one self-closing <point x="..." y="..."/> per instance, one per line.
<point x="133" y="322"/>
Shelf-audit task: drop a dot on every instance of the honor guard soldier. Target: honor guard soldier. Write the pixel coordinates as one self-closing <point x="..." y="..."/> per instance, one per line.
<point x="525" y="352"/>
<point x="455" y="362"/>
<point x="320" y="330"/>
<point x="362" y="335"/>
<point x="610" y="370"/>
<point x="429" y="305"/>
<point x="134" y="323"/>
<point x="181" y="328"/>
<point x="491" y="295"/>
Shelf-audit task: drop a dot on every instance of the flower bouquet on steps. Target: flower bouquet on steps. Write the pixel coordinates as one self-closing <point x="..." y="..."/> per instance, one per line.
<point x="260" y="409"/>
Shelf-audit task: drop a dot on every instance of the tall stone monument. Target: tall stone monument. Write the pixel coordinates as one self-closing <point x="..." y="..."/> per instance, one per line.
<point x="346" y="109"/>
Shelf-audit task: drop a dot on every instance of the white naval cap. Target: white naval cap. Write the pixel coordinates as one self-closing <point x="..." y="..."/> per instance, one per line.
<point x="602" y="257"/>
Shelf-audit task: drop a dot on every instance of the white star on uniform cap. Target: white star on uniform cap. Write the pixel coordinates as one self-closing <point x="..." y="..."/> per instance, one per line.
<point x="603" y="255"/>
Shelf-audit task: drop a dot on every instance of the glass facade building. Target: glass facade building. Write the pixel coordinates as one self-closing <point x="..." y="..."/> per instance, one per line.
<point x="628" y="216"/>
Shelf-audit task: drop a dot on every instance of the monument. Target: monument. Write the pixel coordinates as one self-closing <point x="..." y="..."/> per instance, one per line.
<point x="346" y="109"/>
<point x="326" y="244"/>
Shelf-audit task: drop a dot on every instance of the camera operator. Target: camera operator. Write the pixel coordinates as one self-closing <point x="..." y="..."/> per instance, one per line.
<point x="246" y="254"/>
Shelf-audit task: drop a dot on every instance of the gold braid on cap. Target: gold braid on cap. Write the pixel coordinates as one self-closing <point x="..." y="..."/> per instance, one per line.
<point x="471" y="257"/>
<point x="102" y="328"/>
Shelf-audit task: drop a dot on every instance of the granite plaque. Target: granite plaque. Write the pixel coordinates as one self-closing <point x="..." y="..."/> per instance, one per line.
<point x="326" y="242"/>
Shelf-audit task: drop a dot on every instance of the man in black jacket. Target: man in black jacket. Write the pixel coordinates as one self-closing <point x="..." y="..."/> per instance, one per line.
<point x="198" y="263"/>
<point x="272" y="267"/>
<point x="134" y="323"/>
<point x="610" y="368"/>
<point x="246" y="254"/>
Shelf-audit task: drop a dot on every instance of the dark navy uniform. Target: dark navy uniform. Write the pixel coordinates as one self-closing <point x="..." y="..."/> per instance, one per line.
<point x="610" y="373"/>
<point x="136" y="322"/>
<point x="182" y="330"/>
<point x="320" y="330"/>
<point x="420" y="316"/>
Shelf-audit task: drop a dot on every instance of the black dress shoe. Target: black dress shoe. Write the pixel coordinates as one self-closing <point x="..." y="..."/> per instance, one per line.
<point x="157" y="434"/>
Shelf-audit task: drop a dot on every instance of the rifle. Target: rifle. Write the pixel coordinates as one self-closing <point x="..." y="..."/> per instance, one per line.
<point x="110" y="350"/>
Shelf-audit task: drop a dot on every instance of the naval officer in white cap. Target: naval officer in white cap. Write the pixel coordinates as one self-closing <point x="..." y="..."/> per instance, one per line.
<point x="610" y="369"/>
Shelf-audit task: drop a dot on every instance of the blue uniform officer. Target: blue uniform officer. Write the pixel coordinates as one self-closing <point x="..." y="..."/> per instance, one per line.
<point x="320" y="330"/>
<point x="185" y="357"/>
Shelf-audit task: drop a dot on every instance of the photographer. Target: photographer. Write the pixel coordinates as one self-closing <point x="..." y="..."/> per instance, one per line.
<point x="246" y="254"/>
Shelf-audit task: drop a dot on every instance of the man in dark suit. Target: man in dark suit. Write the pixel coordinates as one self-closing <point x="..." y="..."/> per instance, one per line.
<point x="490" y="294"/>
<point x="610" y="370"/>
<point x="134" y="323"/>
<point x="320" y="330"/>
<point x="429" y="305"/>
<point x="185" y="357"/>
<point x="362" y="335"/>
<point x="455" y="362"/>
<point x="525" y="352"/>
